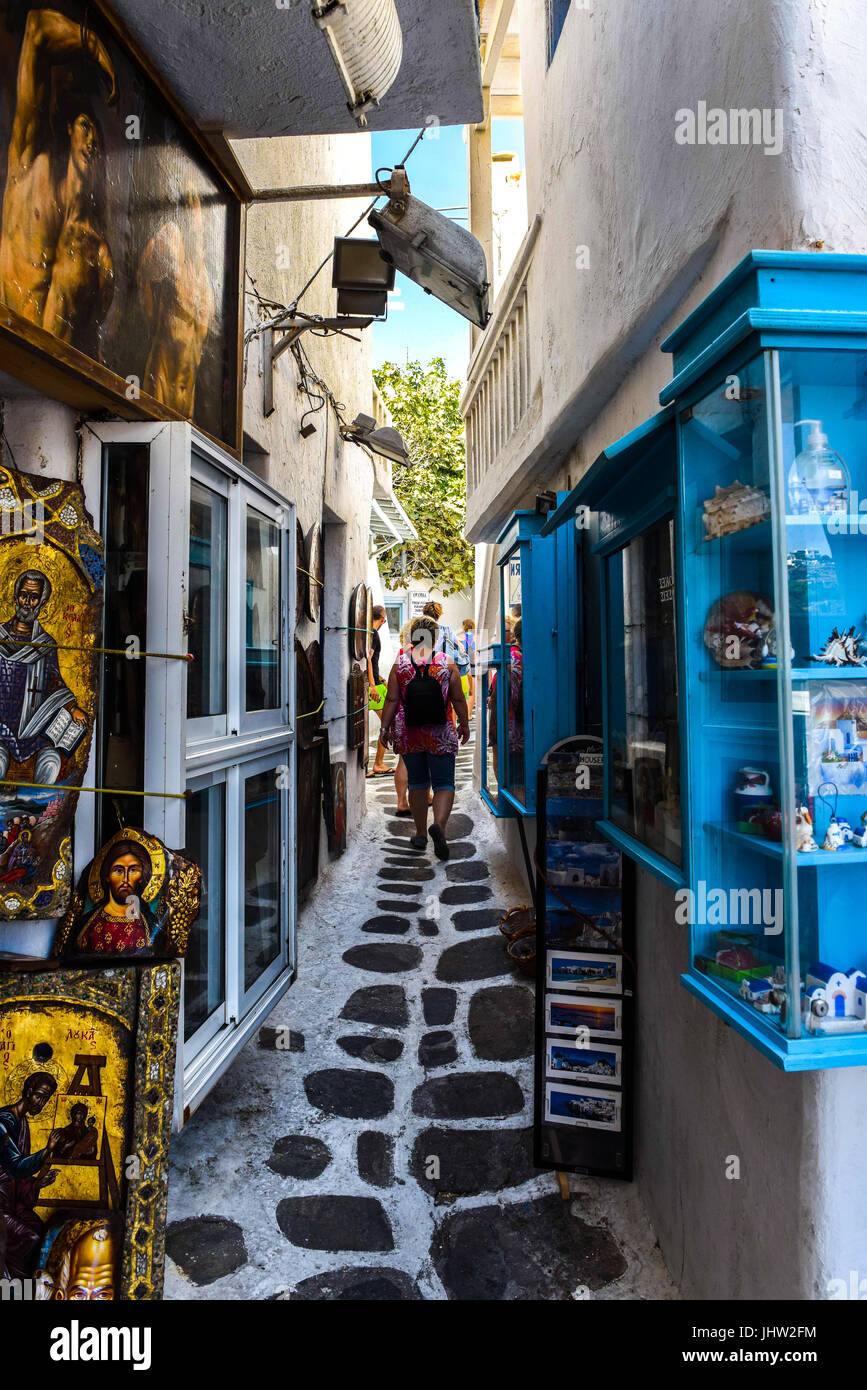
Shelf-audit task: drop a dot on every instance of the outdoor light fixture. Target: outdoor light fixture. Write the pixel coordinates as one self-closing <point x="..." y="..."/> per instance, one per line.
<point x="385" y="441"/>
<point x="443" y="258"/>
<point x="366" y="43"/>
<point x="362" y="277"/>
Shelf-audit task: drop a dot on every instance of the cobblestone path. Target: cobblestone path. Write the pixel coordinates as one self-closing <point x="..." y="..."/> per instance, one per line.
<point x="385" y="1153"/>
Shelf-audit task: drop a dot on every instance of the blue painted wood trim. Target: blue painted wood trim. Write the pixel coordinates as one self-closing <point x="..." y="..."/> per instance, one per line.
<point x="609" y="468"/>
<point x="615" y="540"/>
<point x="806" y="1054"/>
<point x="514" y="805"/>
<point x="764" y="321"/>
<point x="758" y="260"/>
<point x="493" y="806"/>
<point x="647" y="858"/>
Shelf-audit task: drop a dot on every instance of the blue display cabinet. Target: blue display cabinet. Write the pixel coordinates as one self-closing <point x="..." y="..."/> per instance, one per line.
<point x="527" y="676"/>
<point x="770" y="401"/>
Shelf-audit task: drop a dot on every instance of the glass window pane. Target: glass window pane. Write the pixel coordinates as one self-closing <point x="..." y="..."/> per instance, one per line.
<point x="262" y="613"/>
<point x="204" y="968"/>
<point x="645" y="798"/>
<point x="513" y="778"/>
<point x="126" y="474"/>
<point x="206" y="676"/>
<point x="263" y="897"/>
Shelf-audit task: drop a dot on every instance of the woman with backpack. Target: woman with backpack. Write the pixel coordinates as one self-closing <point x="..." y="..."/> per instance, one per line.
<point x="415" y="719"/>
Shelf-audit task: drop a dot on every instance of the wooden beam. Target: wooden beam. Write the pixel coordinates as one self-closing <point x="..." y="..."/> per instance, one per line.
<point x="495" y="39"/>
<point x="507" y="104"/>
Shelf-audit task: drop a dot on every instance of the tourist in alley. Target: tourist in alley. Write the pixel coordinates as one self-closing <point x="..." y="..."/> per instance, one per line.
<point x="416" y="719"/>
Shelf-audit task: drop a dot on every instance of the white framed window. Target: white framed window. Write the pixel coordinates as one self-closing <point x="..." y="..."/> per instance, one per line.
<point x="198" y="555"/>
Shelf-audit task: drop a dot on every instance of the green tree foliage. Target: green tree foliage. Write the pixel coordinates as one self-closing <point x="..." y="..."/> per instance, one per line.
<point x="424" y="405"/>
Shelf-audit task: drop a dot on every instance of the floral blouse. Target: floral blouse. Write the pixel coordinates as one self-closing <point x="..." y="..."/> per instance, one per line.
<point x="430" y="738"/>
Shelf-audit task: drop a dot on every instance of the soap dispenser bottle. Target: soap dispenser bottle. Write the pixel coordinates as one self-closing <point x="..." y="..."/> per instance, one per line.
<point x="818" y="477"/>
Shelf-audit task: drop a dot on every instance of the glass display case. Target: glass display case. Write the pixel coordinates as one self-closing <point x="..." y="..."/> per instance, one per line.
<point x="771" y="401"/>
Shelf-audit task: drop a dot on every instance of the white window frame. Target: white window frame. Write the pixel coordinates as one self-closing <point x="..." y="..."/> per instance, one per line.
<point x="181" y="754"/>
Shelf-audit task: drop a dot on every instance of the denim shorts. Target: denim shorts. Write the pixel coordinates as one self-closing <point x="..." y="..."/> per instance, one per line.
<point x="425" y="770"/>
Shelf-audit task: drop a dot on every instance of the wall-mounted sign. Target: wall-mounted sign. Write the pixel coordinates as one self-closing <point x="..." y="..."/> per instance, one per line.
<point x="119" y="242"/>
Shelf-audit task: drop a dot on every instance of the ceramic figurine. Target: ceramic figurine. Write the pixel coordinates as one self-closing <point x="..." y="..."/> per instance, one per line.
<point x="804" y="838"/>
<point x="859" y="837"/>
<point x="842" y="649"/>
<point x="845" y="830"/>
<point x="835" y="1000"/>
<point x="834" y="837"/>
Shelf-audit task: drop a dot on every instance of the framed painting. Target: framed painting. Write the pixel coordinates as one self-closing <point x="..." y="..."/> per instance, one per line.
<point x="51" y="592"/>
<point x="120" y="240"/>
<point x="86" y="1095"/>
<point x="137" y="900"/>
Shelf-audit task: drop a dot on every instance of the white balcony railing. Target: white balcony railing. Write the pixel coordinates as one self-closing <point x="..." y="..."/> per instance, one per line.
<point x="498" y="390"/>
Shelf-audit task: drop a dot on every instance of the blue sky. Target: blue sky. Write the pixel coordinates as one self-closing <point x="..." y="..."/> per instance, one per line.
<point x="437" y="171"/>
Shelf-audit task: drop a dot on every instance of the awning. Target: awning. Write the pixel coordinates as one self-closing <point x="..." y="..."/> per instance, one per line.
<point x="389" y="522"/>
<point x="641" y="445"/>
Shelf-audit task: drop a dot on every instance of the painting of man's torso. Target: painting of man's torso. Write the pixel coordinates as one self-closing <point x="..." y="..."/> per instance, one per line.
<point x="114" y="235"/>
<point x="51" y="584"/>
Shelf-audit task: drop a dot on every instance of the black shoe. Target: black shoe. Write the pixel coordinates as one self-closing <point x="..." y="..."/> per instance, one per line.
<point x="418" y="841"/>
<point x="441" y="849"/>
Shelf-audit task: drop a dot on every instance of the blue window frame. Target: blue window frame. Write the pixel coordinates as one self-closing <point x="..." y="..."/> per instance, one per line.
<point x="557" y="12"/>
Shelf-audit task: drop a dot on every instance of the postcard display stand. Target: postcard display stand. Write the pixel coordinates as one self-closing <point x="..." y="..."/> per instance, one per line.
<point x="584" y="993"/>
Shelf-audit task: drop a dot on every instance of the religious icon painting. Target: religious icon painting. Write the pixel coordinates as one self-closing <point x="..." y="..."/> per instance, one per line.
<point x="136" y="900"/>
<point x="356" y="701"/>
<point x="337" y="825"/>
<point x="86" y="1094"/>
<point x="51" y="593"/>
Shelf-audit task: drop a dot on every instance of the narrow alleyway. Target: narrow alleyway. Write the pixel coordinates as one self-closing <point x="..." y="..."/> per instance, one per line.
<point x="382" y="1150"/>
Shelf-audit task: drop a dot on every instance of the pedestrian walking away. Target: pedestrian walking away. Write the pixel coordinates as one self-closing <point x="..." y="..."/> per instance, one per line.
<point x="424" y="687"/>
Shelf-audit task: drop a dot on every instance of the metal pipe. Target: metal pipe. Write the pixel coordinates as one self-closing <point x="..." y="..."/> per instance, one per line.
<point x="316" y="191"/>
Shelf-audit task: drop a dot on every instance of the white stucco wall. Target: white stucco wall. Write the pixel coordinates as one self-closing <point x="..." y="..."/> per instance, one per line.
<point x="663" y="223"/>
<point x="327" y="479"/>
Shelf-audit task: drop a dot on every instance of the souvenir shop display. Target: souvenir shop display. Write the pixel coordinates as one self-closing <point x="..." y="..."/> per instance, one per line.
<point x="51" y="597"/>
<point x="738" y="630"/>
<point x="734" y="508"/>
<point x="358" y="623"/>
<point x="818" y="477"/>
<point x="136" y="901"/>
<point x="88" y="1085"/>
<point x="583" y="937"/>
<point x="775" y="717"/>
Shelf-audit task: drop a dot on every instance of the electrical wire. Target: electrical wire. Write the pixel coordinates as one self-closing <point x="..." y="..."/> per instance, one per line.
<point x="287" y="311"/>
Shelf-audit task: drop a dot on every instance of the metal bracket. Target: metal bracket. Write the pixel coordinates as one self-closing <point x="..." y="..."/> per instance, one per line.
<point x="292" y="331"/>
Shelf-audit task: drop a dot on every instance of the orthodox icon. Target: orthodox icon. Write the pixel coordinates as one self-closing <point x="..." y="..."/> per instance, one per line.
<point x="308" y="700"/>
<point x="77" y="1122"/>
<point x="51" y="583"/>
<point x="356" y="697"/>
<point x="337" y="825"/>
<point x="137" y="899"/>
